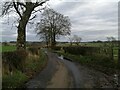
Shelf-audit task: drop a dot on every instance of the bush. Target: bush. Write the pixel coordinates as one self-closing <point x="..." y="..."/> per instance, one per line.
<point x="98" y="59"/>
<point x="57" y="48"/>
<point x="35" y="63"/>
<point x="15" y="58"/>
<point x="91" y="56"/>
<point x="103" y="60"/>
<point x="77" y="50"/>
<point x="34" y="50"/>
<point x="24" y="66"/>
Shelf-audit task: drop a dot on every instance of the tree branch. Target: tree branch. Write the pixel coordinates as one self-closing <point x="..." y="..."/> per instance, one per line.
<point x="22" y="4"/>
<point x="33" y="17"/>
<point x="16" y="8"/>
<point x="40" y="4"/>
<point x="6" y="7"/>
<point x="36" y="11"/>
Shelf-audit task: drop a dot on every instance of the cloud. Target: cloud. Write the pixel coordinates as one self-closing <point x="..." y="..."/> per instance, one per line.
<point x="90" y="19"/>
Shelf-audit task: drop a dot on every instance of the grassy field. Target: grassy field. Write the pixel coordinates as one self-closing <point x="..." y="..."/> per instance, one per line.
<point x="7" y="48"/>
<point x="89" y="44"/>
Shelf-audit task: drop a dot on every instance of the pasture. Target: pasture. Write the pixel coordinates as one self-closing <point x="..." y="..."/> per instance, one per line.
<point x="7" y="48"/>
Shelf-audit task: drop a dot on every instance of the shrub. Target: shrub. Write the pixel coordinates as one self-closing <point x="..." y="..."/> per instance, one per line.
<point x="15" y="58"/>
<point x="21" y="61"/>
<point x="35" y="63"/>
<point x="57" y="48"/>
<point x="77" y="50"/>
<point x="34" y="50"/>
<point x="103" y="60"/>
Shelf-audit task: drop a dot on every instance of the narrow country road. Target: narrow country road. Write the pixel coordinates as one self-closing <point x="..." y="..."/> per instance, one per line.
<point x="40" y="81"/>
<point x="54" y="75"/>
<point x="60" y="73"/>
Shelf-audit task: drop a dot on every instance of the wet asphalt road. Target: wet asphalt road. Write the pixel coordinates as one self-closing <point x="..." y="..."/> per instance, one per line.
<point x="77" y="77"/>
<point x="41" y="80"/>
<point x="81" y="77"/>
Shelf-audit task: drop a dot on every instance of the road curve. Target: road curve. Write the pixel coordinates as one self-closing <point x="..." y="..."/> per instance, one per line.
<point x="40" y="80"/>
<point x="60" y="73"/>
<point x="77" y="76"/>
<point x="54" y="75"/>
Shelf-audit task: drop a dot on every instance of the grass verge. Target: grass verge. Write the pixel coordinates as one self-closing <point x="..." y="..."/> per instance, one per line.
<point x="33" y="64"/>
<point x="98" y="62"/>
<point x="16" y="80"/>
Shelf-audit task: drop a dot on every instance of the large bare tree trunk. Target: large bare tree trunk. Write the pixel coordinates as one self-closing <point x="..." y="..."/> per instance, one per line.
<point x="21" y="39"/>
<point x="54" y="39"/>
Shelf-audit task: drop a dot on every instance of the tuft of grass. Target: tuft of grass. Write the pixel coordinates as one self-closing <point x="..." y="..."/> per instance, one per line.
<point x="16" y="80"/>
<point x="35" y="63"/>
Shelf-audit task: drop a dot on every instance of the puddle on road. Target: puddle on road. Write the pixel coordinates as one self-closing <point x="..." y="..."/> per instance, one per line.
<point x="61" y="57"/>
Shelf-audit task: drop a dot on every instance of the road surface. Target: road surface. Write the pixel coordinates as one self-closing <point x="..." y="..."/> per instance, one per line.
<point x="60" y="73"/>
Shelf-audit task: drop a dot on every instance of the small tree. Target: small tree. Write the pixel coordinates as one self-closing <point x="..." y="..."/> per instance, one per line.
<point x="77" y="39"/>
<point x="52" y="25"/>
<point x="71" y="40"/>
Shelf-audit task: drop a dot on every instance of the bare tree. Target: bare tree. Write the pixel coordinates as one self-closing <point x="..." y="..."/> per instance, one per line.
<point x="52" y="25"/>
<point x="26" y="11"/>
<point x="44" y="35"/>
<point x="77" y="39"/>
<point x="71" y="39"/>
<point x="111" y="41"/>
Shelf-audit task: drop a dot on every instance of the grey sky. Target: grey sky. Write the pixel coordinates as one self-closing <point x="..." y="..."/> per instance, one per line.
<point x="90" y="19"/>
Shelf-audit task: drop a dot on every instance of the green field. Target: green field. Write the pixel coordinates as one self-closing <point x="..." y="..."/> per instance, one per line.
<point x="7" y="48"/>
<point x="89" y="44"/>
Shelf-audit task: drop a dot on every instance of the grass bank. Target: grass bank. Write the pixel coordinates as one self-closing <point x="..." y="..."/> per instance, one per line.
<point x="98" y="62"/>
<point x="15" y="77"/>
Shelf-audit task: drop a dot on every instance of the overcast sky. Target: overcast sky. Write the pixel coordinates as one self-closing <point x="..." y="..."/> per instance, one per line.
<point x="91" y="19"/>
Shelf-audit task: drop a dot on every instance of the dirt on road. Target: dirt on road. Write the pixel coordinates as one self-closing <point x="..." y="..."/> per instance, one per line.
<point x="61" y="79"/>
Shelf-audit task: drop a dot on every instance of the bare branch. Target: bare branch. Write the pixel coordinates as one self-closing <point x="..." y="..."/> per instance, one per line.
<point x="33" y="17"/>
<point x="6" y="7"/>
<point x="40" y="3"/>
<point x="16" y="8"/>
<point x="36" y="11"/>
<point x="22" y="4"/>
